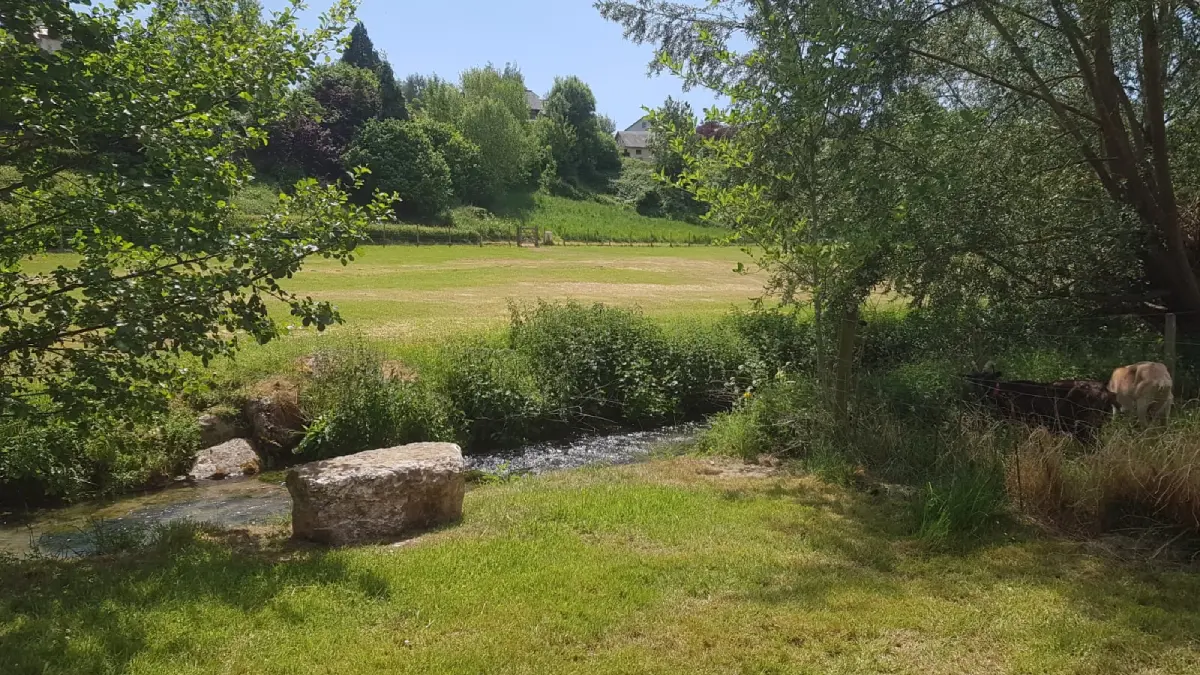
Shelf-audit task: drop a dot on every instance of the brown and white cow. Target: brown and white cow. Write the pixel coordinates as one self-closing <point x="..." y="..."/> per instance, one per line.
<point x="1145" y="387"/>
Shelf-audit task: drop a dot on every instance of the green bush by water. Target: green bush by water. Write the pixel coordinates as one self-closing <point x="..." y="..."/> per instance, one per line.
<point x="100" y="455"/>
<point x="355" y="405"/>
<point x="497" y="399"/>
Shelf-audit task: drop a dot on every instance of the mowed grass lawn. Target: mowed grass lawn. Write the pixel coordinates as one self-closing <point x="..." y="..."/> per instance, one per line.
<point x="673" y="566"/>
<point x="423" y="294"/>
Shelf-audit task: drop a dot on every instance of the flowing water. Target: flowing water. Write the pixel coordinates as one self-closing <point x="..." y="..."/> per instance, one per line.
<point x="238" y="502"/>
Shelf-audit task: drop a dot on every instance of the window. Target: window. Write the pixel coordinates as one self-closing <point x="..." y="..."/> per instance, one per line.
<point x="638" y="151"/>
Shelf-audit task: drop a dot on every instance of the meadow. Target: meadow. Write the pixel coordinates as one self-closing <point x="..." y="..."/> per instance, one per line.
<point x="418" y="294"/>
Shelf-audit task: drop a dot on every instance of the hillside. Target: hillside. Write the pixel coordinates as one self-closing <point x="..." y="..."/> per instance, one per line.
<point x="594" y="221"/>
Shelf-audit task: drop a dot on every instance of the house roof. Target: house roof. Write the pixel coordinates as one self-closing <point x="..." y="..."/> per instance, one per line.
<point x="633" y="139"/>
<point x="643" y="124"/>
<point x="534" y="101"/>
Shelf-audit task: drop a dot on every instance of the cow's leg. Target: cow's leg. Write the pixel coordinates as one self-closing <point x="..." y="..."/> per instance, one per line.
<point x="1143" y="407"/>
<point x="1162" y="409"/>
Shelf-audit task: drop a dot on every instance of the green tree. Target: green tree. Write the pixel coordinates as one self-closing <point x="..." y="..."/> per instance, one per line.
<point x="802" y="177"/>
<point x="413" y="87"/>
<point x="442" y="100"/>
<point x="507" y="87"/>
<point x="572" y="101"/>
<point x="592" y="153"/>
<point x="124" y="148"/>
<point x="558" y="140"/>
<point x="402" y="160"/>
<point x="503" y="144"/>
<point x="344" y="97"/>
<point x="462" y="157"/>
<point x="360" y="53"/>
<point x="1097" y="93"/>
<point x="673" y="139"/>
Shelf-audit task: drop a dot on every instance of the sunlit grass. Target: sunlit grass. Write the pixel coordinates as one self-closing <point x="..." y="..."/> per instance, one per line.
<point x="668" y="567"/>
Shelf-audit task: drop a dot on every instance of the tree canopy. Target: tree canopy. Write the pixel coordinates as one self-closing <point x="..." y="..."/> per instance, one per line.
<point x="124" y="148"/>
<point x="360" y="53"/>
<point x="1035" y="153"/>
<point x="579" y="140"/>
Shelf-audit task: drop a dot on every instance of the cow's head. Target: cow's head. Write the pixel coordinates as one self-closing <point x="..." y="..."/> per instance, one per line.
<point x="983" y="383"/>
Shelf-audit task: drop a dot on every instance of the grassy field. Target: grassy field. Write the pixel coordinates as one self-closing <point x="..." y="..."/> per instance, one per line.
<point x="403" y="299"/>
<point x="590" y="221"/>
<point x="411" y="294"/>
<point x="679" y="565"/>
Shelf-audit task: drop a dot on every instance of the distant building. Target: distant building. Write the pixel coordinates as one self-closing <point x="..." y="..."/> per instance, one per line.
<point x="635" y="141"/>
<point x="536" y="104"/>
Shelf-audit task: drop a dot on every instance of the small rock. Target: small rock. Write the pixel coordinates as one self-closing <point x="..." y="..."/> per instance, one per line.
<point x="232" y="458"/>
<point x="379" y="495"/>
<point x="215" y="430"/>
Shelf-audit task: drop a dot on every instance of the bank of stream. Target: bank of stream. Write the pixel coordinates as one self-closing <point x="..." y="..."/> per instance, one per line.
<point x="79" y="529"/>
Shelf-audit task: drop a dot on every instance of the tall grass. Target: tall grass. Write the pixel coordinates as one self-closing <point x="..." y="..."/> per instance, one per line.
<point x="1134" y="479"/>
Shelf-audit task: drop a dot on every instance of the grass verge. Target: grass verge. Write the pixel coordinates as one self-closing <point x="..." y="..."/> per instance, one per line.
<point x="672" y="566"/>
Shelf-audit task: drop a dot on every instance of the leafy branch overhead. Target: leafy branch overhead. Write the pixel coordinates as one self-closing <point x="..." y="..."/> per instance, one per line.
<point x="125" y="148"/>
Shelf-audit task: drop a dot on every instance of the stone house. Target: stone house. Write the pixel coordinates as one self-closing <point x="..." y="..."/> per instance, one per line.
<point x="635" y="141"/>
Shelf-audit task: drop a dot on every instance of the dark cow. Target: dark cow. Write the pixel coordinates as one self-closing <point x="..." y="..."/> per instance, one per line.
<point x="1078" y="408"/>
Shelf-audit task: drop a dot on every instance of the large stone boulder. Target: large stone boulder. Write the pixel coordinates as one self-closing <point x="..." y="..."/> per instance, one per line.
<point x="231" y="458"/>
<point x="378" y="495"/>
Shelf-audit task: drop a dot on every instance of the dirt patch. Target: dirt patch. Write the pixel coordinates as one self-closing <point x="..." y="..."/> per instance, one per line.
<point x="724" y="468"/>
<point x="399" y="371"/>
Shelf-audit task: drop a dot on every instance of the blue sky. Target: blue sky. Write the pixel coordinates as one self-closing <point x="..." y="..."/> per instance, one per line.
<point x="544" y="37"/>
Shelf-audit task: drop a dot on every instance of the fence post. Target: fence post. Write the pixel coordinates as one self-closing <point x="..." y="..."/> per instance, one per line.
<point x="1169" y="344"/>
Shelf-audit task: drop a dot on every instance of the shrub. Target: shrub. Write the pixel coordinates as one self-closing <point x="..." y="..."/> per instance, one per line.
<point x="779" y="339"/>
<point x="496" y="397"/>
<point x="462" y="157"/>
<point x="602" y="365"/>
<point x="355" y="405"/>
<point x="785" y="416"/>
<point x="703" y="369"/>
<point x="403" y="160"/>
<point x="61" y="460"/>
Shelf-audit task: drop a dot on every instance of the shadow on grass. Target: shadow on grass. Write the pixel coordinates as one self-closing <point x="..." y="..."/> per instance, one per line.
<point x="770" y="545"/>
<point x="89" y="615"/>
<point x="876" y="552"/>
<point x="517" y="206"/>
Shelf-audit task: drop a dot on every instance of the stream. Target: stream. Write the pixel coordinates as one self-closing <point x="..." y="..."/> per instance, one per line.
<point x="239" y="502"/>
